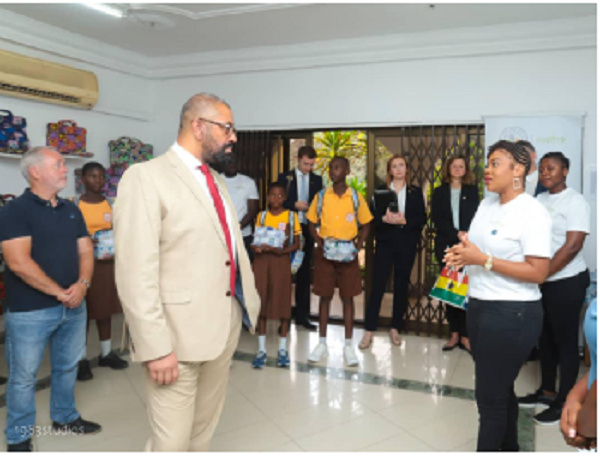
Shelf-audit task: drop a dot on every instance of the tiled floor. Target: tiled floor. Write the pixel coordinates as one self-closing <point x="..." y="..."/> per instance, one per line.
<point x="410" y="398"/>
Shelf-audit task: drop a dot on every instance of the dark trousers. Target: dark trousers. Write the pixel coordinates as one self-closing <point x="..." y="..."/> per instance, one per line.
<point x="247" y="243"/>
<point x="562" y="301"/>
<point x="302" y="309"/>
<point x="402" y="258"/>
<point x="502" y="335"/>
<point x="457" y="319"/>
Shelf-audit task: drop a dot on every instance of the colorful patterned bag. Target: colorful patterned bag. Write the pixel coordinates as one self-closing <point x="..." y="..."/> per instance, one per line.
<point x="127" y="150"/>
<point x="13" y="133"/>
<point x="68" y="138"/>
<point x="452" y="287"/>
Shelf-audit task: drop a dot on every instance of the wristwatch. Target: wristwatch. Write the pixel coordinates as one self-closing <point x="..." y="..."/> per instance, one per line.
<point x="489" y="263"/>
<point x="85" y="282"/>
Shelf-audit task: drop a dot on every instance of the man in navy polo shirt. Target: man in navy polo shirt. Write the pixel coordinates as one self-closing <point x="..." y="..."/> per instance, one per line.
<point x="49" y="258"/>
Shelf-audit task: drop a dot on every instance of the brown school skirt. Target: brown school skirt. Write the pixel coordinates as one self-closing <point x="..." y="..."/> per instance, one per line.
<point x="330" y="274"/>
<point x="102" y="299"/>
<point x="273" y="277"/>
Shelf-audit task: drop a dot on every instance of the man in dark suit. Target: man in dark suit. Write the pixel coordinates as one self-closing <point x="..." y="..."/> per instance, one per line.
<point x="301" y="186"/>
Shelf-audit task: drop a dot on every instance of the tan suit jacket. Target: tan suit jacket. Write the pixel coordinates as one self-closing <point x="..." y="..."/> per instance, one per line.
<point x="172" y="268"/>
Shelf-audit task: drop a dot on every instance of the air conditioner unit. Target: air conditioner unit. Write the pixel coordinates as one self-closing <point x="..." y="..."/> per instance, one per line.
<point x="31" y="78"/>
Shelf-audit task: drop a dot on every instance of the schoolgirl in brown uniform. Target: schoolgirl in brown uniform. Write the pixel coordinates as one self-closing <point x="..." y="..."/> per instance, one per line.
<point x="273" y="275"/>
<point x="101" y="299"/>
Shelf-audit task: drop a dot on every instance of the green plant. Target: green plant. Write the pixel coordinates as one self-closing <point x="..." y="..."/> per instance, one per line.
<point x="349" y="144"/>
<point x="359" y="185"/>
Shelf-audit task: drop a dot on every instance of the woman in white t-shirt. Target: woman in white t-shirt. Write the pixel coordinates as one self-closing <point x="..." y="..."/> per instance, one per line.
<point x="507" y="250"/>
<point x="564" y="290"/>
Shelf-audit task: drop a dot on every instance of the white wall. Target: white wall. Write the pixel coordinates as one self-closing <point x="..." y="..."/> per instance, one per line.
<point x="124" y="108"/>
<point x="448" y="77"/>
<point x="445" y="90"/>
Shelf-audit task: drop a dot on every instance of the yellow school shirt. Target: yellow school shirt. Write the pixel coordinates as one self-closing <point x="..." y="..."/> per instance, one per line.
<point x="338" y="219"/>
<point x="97" y="217"/>
<point x="280" y="221"/>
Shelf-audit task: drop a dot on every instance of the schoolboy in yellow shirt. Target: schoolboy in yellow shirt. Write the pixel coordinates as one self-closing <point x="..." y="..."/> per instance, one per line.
<point x="343" y="215"/>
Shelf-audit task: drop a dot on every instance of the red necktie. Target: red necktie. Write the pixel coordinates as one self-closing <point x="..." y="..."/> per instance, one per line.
<point x="218" y="202"/>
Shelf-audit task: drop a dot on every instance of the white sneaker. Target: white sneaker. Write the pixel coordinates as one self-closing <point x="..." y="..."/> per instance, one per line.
<point x="350" y="356"/>
<point x="318" y="353"/>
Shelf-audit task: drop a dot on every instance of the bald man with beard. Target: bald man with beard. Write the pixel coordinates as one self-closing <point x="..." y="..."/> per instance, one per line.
<point x="184" y="277"/>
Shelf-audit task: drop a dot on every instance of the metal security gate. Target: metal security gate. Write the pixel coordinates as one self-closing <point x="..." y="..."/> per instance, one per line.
<point x="426" y="147"/>
<point x="263" y="154"/>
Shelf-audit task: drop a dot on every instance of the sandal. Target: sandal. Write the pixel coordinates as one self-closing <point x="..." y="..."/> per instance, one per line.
<point x="395" y="337"/>
<point x="366" y="341"/>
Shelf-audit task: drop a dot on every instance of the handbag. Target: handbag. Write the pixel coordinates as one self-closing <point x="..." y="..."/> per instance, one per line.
<point x="13" y="133"/>
<point x="452" y="287"/>
<point x="67" y="138"/>
<point x="297" y="257"/>
<point x="104" y="249"/>
<point x="339" y="250"/>
<point x="128" y="151"/>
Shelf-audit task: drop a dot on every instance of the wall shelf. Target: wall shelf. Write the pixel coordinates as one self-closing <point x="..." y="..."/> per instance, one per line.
<point x="8" y="155"/>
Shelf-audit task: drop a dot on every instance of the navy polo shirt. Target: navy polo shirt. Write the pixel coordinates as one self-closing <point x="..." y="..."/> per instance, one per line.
<point x="54" y="232"/>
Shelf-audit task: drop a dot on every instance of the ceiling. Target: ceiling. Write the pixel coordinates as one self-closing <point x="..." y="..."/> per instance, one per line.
<point x="163" y="29"/>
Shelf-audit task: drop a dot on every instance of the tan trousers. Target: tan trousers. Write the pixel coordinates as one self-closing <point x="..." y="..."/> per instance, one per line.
<point x="183" y="416"/>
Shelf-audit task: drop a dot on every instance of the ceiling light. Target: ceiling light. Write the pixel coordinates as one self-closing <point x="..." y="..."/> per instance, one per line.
<point x="105" y="9"/>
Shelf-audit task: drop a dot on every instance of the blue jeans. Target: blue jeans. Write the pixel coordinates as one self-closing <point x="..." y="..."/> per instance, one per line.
<point x="27" y="334"/>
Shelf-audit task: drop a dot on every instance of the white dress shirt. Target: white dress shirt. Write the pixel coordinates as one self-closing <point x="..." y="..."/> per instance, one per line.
<point x="193" y="164"/>
<point x="401" y="197"/>
<point x="299" y="177"/>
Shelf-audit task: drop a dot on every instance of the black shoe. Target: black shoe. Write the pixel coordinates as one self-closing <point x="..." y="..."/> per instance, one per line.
<point x="84" y="373"/>
<point x="3" y="380"/>
<point x="306" y="324"/>
<point x="77" y="427"/>
<point x="450" y="348"/>
<point x="113" y="361"/>
<point x="535" y="399"/>
<point x="23" y="447"/>
<point x="550" y="416"/>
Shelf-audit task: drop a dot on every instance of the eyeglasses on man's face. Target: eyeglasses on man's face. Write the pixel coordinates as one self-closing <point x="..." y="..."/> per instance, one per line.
<point x="229" y="128"/>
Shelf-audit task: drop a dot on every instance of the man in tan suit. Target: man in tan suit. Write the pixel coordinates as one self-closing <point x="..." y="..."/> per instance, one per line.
<point x="184" y="277"/>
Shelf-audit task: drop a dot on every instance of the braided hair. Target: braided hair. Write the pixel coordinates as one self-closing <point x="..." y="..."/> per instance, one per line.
<point x="518" y="152"/>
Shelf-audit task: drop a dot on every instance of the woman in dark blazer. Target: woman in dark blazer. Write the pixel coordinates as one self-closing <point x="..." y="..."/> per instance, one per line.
<point x="398" y="224"/>
<point x="453" y="206"/>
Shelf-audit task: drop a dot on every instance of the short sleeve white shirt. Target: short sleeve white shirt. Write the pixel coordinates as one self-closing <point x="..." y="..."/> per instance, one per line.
<point x="511" y="231"/>
<point x="569" y="212"/>
<point x="241" y="188"/>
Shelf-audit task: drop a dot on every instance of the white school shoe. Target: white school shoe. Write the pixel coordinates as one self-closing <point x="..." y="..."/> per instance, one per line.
<point x="350" y="356"/>
<point x="318" y="353"/>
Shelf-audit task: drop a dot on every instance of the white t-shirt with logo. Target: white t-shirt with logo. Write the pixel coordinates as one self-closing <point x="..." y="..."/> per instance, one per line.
<point x="511" y="231"/>
<point x="241" y="188"/>
<point x="569" y="212"/>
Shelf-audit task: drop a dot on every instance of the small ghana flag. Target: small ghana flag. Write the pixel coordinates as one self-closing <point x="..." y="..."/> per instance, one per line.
<point x="451" y="287"/>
